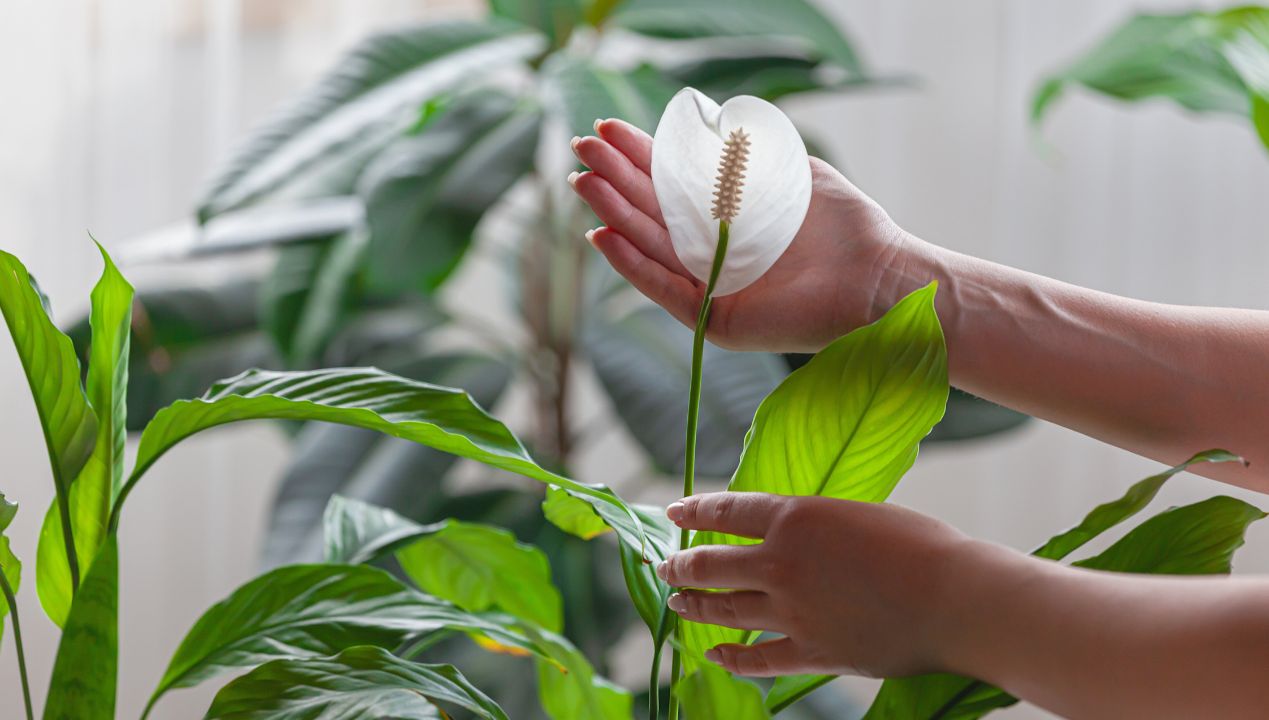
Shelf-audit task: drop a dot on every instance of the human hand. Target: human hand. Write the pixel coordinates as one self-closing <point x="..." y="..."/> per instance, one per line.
<point x="822" y="287"/>
<point x="855" y="588"/>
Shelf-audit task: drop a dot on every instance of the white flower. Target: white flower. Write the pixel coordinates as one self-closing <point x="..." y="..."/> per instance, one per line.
<point x="690" y="144"/>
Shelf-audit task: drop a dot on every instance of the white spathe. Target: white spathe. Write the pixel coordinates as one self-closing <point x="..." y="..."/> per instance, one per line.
<point x="777" y="190"/>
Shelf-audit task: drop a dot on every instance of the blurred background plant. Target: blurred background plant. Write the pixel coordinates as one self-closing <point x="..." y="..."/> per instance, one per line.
<point x="429" y="144"/>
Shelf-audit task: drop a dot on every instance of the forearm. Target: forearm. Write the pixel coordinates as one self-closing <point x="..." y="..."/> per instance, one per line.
<point x="1088" y="644"/>
<point x="1161" y="380"/>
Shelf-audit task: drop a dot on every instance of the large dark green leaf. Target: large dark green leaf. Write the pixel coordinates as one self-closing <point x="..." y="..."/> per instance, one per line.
<point x="1195" y="539"/>
<point x="846" y="425"/>
<point x="84" y="675"/>
<point x="358" y="532"/>
<point x="643" y="361"/>
<point x="796" y="20"/>
<point x="307" y="296"/>
<point x="442" y="418"/>
<point x="326" y="136"/>
<point x="310" y="611"/>
<point x="426" y="193"/>
<point x="102" y="475"/>
<point x="1207" y="62"/>
<point x="368" y="466"/>
<point x="555" y="18"/>
<point x="360" y="683"/>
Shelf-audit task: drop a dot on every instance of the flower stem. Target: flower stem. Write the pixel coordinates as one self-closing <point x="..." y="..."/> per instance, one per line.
<point x="17" y="642"/>
<point x="693" y="418"/>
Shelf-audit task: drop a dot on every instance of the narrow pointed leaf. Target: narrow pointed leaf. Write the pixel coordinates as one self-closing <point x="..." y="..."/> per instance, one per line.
<point x="846" y="425"/>
<point x="93" y="490"/>
<point x="85" y="673"/>
<point x="360" y="106"/>
<point x="10" y="566"/>
<point x="442" y="418"/>
<point x="360" y="683"/>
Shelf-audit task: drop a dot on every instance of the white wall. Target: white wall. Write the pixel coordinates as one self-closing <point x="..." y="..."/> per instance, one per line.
<point x="114" y="111"/>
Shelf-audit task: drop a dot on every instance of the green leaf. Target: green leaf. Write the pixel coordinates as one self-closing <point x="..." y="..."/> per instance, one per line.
<point x="10" y="566"/>
<point x="796" y="20"/>
<point x="368" y="99"/>
<point x="643" y="361"/>
<point x="311" y="611"/>
<point x="846" y="425"/>
<point x="442" y="418"/>
<point x="1206" y="62"/>
<point x="582" y="92"/>
<point x="573" y="516"/>
<point x="84" y="674"/>
<point x="358" y="532"/>
<point x="1198" y="539"/>
<point x="555" y="18"/>
<point x="568" y="688"/>
<point x="711" y="692"/>
<point x="1105" y="516"/>
<point x="788" y="689"/>
<point x="307" y="296"/>
<point x="362" y="683"/>
<point x="93" y="490"/>
<point x="478" y="567"/>
<point x="368" y="466"/>
<point x="426" y="193"/>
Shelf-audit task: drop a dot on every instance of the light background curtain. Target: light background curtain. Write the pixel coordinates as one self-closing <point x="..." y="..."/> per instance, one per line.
<point x="114" y="111"/>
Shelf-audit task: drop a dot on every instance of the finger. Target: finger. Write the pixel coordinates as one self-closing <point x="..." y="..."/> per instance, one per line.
<point x="719" y="567"/>
<point x="678" y="295"/>
<point x="630" y="140"/>
<point x="744" y="610"/>
<point x="765" y="659"/>
<point x="632" y="182"/>
<point x="618" y="213"/>
<point x="748" y="514"/>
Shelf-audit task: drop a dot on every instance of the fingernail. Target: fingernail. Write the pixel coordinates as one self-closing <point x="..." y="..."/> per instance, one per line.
<point x="598" y="122"/>
<point x="663" y="570"/>
<point x="574" y="143"/>
<point x="714" y="656"/>
<point x="677" y="603"/>
<point x="572" y="178"/>
<point x="590" y="236"/>
<point x="674" y="512"/>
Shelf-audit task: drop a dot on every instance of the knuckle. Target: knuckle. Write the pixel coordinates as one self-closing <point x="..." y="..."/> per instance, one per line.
<point x="726" y="610"/>
<point x="724" y="507"/>
<point x="752" y="661"/>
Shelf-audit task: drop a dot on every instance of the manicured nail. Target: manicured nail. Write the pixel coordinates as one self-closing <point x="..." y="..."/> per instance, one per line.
<point x="674" y="512"/>
<point x="572" y="178"/>
<point x="663" y="569"/>
<point x="677" y="603"/>
<point x="714" y="656"/>
<point x="598" y="122"/>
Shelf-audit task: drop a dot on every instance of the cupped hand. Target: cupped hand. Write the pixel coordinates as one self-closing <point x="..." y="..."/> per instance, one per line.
<point x="854" y="588"/>
<point x="822" y="287"/>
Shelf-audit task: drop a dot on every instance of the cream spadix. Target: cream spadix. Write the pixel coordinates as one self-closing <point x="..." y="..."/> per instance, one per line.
<point x="765" y="207"/>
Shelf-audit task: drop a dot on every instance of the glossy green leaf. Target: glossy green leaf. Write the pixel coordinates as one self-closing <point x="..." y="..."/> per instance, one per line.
<point x="479" y="567"/>
<point x="789" y="689"/>
<point x="360" y="106"/>
<point x="568" y="688"/>
<point x="368" y="466"/>
<point x="307" y="295"/>
<point x="10" y="566"/>
<point x="442" y="418"/>
<point x="1105" y="516"/>
<point x="93" y="490"/>
<point x="1196" y="539"/>
<point x="1207" y="62"/>
<point x="84" y="675"/>
<point x="796" y="20"/>
<point x="360" y="683"/>
<point x="426" y="193"/>
<point x="572" y="515"/>
<point x="309" y="611"/>
<point x="582" y="92"/>
<point x="711" y="692"/>
<point x="643" y="361"/>
<point x="846" y="425"/>
<point x="358" y="532"/>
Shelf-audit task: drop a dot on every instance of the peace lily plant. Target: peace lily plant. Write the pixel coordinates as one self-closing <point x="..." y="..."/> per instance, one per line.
<point x="734" y="184"/>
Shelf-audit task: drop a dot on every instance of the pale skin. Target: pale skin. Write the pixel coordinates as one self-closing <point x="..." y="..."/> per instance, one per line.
<point x="902" y="593"/>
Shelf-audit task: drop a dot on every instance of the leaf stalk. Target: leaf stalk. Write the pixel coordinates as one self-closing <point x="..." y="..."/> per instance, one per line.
<point x="17" y="642"/>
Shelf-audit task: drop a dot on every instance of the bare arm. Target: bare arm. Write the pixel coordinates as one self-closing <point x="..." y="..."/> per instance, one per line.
<point x="1160" y="380"/>
<point x="1164" y="381"/>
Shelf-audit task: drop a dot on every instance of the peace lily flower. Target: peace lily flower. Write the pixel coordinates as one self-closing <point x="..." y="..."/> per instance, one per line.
<point x="764" y="194"/>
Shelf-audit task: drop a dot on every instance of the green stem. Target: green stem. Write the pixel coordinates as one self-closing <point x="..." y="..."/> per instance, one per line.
<point x="654" y="687"/>
<point x="693" y="418"/>
<point x="17" y="642"/>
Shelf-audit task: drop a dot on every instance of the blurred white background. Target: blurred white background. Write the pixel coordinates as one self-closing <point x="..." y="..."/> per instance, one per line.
<point x="114" y="111"/>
